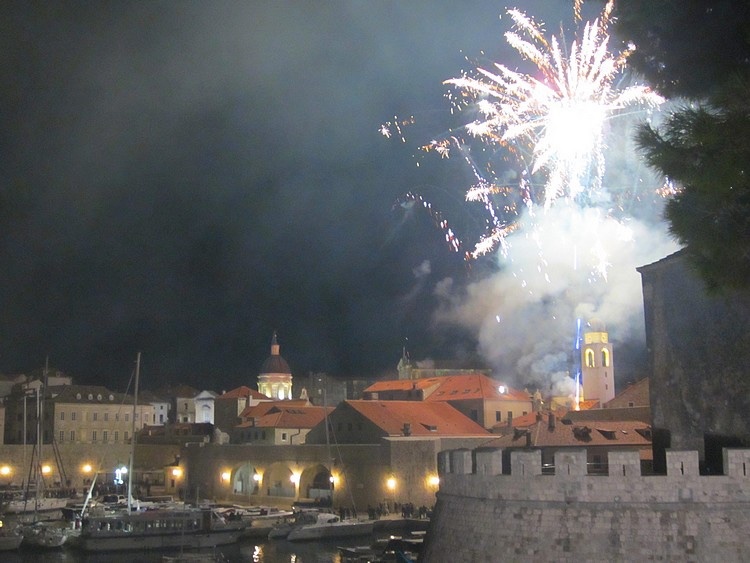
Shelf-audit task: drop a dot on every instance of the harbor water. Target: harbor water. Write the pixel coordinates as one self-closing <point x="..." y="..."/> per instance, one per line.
<point x="277" y="551"/>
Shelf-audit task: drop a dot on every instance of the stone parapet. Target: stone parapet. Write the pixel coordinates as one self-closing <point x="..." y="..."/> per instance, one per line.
<point x="571" y="515"/>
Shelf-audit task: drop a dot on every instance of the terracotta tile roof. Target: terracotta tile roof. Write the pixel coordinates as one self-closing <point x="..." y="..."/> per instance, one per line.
<point x="90" y="394"/>
<point x="626" y="433"/>
<point x="262" y="409"/>
<point x="517" y="422"/>
<point x="474" y="386"/>
<point x="294" y="417"/>
<point x="244" y="392"/>
<point x="403" y="384"/>
<point x="425" y="419"/>
<point x="452" y="387"/>
<point x="637" y="394"/>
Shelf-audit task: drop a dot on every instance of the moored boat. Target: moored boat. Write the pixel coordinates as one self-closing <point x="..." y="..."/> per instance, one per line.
<point x="330" y="526"/>
<point x="302" y="518"/>
<point x="10" y="537"/>
<point x="46" y="534"/>
<point x="190" y="528"/>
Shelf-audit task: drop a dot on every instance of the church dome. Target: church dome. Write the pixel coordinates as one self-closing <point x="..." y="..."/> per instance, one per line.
<point x="275" y="378"/>
<point x="275" y="363"/>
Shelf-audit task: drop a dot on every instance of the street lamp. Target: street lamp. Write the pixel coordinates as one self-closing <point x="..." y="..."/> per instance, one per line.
<point x="391" y="483"/>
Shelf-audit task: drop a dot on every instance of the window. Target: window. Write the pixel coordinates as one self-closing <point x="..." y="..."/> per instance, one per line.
<point x="117" y="435"/>
<point x="605" y="358"/>
<point x="589" y="358"/>
<point x="62" y="435"/>
<point x="283" y="436"/>
<point x="105" y="436"/>
<point x="127" y="417"/>
<point x="72" y="435"/>
<point x="126" y="435"/>
<point x="117" y="416"/>
<point x="498" y="416"/>
<point x="93" y="436"/>
<point x="96" y="416"/>
<point x="62" y="415"/>
<point x="73" y="415"/>
<point x="106" y="416"/>
<point x="474" y="415"/>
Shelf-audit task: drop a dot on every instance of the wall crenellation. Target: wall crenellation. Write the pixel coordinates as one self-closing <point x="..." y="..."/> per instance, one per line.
<point x="566" y="513"/>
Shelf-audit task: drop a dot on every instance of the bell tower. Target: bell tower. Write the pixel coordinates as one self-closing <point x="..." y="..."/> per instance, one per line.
<point x="597" y="364"/>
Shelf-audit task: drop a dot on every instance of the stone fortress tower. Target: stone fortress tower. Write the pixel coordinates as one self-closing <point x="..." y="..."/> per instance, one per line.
<point x="275" y="378"/>
<point x="597" y="364"/>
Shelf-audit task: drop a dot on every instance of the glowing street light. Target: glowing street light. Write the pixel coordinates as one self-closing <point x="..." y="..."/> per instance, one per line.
<point x="391" y="483"/>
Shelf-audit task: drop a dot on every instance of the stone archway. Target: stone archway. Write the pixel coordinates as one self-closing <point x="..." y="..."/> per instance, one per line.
<point x="243" y="480"/>
<point x="278" y="482"/>
<point x="315" y="483"/>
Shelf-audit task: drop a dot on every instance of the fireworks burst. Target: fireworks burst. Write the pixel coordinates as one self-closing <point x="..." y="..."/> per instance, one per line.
<point x="550" y="126"/>
<point x="562" y="115"/>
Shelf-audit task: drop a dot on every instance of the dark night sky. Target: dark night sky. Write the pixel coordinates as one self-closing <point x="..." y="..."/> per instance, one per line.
<point x="184" y="178"/>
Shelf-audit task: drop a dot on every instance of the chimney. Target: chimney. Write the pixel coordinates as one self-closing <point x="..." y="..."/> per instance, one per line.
<point x="551" y="422"/>
<point x="407" y="429"/>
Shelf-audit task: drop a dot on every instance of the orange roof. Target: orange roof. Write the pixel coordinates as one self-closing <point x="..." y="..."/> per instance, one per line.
<point x="591" y="433"/>
<point x="453" y="387"/>
<point x="403" y="384"/>
<point x="637" y="394"/>
<point x="262" y="409"/>
<point x="294" y="417"/>
<point x="517" y="422"/>
<point x="425" y="419"/>
<point x="474" y="386"/>
<point x="243" y="392"/>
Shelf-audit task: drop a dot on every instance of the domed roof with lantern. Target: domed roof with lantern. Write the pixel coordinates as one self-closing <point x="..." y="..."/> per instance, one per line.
<point x="275" y="363"/>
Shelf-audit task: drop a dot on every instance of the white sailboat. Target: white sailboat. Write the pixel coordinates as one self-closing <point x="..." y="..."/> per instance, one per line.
<point x="46" y="534"/>
<point x="155" y="529"/>
<point x="38" y="499"/>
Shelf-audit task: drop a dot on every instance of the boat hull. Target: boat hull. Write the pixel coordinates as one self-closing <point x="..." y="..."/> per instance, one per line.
<point x="35" y="505"/>
<point x="10" y="542"/>
<point x="161" y="529"/>
<point x="134" y="543"/>
<point x="331" y="531"/>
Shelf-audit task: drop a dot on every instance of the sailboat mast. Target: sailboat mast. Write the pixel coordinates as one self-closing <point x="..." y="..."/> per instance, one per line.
<point x="132" y="439"/>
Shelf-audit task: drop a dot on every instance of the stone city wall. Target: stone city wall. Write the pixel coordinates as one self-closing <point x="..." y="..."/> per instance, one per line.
<point x="485" y="515"/>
